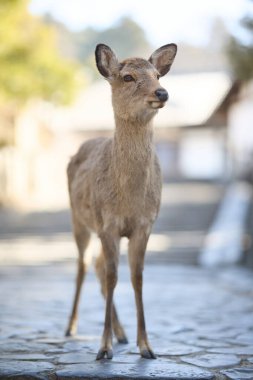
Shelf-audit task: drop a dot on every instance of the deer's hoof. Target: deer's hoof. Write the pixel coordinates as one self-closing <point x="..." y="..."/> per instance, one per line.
<point x="123" y="340"/>
<point x="69" y="333"/>
<point x="147" y="353"/>
<point x="104" y="353"/>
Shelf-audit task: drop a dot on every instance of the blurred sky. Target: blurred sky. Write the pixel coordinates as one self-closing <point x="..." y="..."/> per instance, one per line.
<point x="163" y="20"/>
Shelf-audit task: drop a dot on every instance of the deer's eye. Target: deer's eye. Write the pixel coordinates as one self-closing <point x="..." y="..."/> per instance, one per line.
<point x="128" y="78"/>
<point x="158" y="76"/>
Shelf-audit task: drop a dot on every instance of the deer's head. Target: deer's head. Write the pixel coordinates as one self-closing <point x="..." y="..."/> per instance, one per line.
<point x="136" y="91"/>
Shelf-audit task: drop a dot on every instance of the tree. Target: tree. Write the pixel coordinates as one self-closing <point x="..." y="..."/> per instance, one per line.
<point x="30" y="65"/>
<point x="241" y="53"/>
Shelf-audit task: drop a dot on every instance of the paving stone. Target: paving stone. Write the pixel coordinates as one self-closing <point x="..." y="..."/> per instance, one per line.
<point x="213" y="360"/>
<point x="52" y="340"/>
<point x="171" y="349"/>
<point x="23" y="346"/>
<point x="217" y="336"/>
<point x="10" y="368"/>
<point x="127" y="358"/>
<point x="233" y="350"/>
<point x="204" y="343"/>
<point x="185" y="325"/>
<point x="76" y="357"/>
<point x="245" y="373"/>
<point x="244" y="338"/>
<point x="178" y="350"/>
<point x="177" y="329"/>
<point x="27" y="356"/>
<point x="77" y="345"/>
<point x="143" y="369"/>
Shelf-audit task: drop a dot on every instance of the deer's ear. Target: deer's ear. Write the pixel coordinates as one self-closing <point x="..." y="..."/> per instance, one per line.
<point x="106" y="60"/>
<point x="163" y="58"/>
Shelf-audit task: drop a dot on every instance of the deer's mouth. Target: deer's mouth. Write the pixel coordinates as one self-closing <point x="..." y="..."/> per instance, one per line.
<point x="156" y="104"/>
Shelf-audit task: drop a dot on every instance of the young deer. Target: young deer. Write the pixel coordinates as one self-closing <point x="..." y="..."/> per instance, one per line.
<point x="115" y="184"/>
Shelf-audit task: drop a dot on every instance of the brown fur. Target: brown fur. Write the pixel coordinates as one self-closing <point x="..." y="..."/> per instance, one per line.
<point x="115" y="185"/>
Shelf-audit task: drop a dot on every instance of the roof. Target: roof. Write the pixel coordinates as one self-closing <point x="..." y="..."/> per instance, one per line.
<point x="193" y="98"/>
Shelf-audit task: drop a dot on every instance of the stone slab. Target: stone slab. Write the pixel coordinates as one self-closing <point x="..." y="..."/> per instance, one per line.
<point x="142" y="370"/>
<point x="24" y="368"/>
<point x="245" y="373"/>
<point x="213" y="360"/>
<point x="237" y="350"/>
<point x="188" y="331"/>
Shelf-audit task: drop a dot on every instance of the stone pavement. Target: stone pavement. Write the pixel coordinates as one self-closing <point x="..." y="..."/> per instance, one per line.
<point x="200" y="321"/>
<point x="200" y="324"/>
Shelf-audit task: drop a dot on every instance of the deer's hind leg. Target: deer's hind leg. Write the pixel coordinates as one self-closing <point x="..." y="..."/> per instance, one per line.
<point x="117" y="327"/>
<point x="137" y="247"/>
<point x="82" y="237"/>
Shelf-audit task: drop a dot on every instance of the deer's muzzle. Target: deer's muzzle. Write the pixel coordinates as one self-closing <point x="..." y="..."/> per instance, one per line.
<point x="162" y="94"/>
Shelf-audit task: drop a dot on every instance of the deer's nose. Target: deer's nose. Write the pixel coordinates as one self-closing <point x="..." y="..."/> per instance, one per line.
<point x="162" y="94"/>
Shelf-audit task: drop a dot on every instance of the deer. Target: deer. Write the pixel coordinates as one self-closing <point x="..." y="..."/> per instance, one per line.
<point x="115" y="186"/>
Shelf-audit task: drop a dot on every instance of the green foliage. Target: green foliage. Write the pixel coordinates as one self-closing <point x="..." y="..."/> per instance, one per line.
<point x="241" y="53"/>
<point x="30" y="65"/>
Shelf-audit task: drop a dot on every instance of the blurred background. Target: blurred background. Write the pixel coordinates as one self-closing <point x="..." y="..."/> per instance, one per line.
<point x="52" y="99"/>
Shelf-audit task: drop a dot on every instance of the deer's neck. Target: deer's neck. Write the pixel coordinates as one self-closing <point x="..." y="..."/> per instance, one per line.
<point x="132" y="154"/>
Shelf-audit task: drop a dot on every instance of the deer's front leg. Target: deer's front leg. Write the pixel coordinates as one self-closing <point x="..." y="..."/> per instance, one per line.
<point x="137" y="249"/>
<point x="111" y="252"/>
